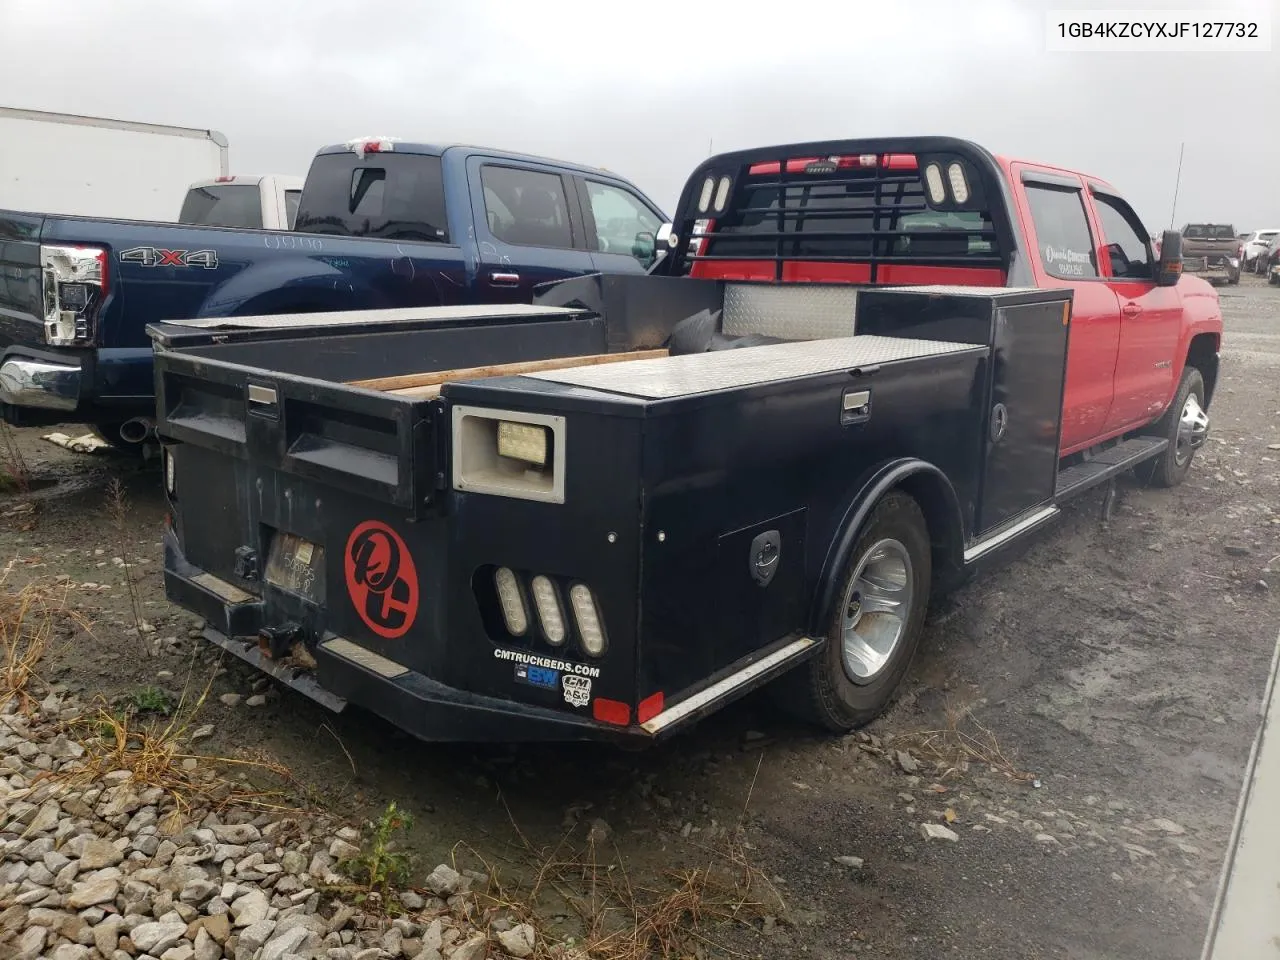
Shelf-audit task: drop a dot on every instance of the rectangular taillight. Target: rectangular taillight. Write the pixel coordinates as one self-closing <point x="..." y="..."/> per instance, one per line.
<point x="75" y="283"/>
<point x="508" y="453"/>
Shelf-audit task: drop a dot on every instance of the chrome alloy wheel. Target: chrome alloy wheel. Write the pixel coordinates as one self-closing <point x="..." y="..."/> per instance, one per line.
<point x="1193" y="429"/>
<point x="877" y="606"/>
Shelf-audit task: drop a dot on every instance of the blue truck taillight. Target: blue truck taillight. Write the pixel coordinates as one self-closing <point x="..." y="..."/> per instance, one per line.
<point x="75" y="282"/>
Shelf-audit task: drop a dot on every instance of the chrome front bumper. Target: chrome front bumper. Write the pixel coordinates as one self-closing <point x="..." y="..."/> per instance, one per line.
<point x="37" y="383"/>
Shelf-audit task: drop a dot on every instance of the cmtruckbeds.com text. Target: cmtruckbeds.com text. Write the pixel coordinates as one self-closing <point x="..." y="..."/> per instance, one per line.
<point x="517" y="656"/>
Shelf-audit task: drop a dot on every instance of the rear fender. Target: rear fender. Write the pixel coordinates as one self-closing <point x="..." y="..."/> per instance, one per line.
<point x="930" y="488"/>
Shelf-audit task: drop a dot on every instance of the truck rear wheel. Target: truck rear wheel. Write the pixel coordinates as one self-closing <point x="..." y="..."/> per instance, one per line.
<point x="875" y="630"/>
<point x="1186" y="426"/>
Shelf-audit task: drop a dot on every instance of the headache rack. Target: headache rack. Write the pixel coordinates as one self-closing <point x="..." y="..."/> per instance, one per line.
<point x="863" y="202"/>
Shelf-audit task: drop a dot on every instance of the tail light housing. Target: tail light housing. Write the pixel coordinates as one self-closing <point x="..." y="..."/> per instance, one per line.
<point x="75" y="287"/>
<point x="698" y="238"/>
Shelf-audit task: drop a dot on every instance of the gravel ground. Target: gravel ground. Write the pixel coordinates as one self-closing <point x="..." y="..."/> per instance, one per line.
<point x="1112" y="672"/>
<point x="95" y="865"/>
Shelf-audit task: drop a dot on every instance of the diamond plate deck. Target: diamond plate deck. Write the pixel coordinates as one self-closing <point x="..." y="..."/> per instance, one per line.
<point x="808" y="312"/>
<point x="696" y="373"/>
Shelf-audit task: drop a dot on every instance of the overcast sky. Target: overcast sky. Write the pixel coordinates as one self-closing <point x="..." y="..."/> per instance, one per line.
<point x="645" y="88"/>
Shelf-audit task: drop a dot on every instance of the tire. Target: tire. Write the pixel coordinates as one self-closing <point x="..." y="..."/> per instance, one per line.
<point x="894" y="547"/>
<point x="1171" y="467"/>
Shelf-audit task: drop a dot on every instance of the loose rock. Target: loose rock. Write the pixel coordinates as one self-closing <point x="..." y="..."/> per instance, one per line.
<point x="443" y="881"/>
<point x="519" y="941"/>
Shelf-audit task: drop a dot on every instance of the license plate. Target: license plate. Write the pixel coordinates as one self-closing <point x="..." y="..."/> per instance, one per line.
<point x="296" y="565"/>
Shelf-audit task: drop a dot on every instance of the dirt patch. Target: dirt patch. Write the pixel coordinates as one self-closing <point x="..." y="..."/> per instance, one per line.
<point x="1117" y="665"/>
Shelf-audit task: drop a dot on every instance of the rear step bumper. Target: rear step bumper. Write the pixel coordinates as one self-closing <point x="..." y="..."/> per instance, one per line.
<point x="429" y="710"/>
<point x="347" y="673"/>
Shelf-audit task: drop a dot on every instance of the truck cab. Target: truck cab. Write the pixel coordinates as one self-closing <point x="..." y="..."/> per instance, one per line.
<point x="265" y="202"/>
<point x="934" y="210"/>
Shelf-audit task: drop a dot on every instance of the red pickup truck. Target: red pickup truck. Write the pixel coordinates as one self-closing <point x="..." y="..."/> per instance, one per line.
<point x="1143" y="352"/>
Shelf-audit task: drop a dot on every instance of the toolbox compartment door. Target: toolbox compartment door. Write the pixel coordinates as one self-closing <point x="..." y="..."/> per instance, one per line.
<point x="377" y="445"/>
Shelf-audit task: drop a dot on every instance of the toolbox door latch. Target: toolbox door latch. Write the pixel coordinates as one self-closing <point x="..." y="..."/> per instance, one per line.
<point x="855" y="406"/>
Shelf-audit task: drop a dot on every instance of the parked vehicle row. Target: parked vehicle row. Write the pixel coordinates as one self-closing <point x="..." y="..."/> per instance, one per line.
<point x="1266" y="263"/>
<point x="612" y="511"/>
<point x="1257" y="244"/>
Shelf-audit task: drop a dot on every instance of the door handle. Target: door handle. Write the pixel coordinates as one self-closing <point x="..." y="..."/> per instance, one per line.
<point x="1130" y="310"/>
<point x="504" y="278"/>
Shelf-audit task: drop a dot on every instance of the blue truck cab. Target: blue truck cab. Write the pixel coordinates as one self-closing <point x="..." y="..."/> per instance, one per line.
<point x="380" y="224"/>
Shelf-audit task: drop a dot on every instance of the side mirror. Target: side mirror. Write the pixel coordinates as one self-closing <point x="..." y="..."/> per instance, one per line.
<point x="665" y="237"/>
<point x="1169" y="266"/>
<point x="643" y="247"/>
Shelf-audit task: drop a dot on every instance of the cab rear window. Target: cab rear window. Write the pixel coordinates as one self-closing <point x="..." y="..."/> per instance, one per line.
<point x="223" y="205"/>
<point x="386" y="195"/>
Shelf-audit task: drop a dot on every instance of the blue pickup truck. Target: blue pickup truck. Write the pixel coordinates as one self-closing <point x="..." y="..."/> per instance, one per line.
<point x="380" y="224"/>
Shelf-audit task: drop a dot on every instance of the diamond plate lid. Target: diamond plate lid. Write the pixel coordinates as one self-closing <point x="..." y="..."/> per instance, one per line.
<point x="695" y="373"/>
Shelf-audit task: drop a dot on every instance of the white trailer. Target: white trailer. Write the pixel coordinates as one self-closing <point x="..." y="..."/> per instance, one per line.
<point x="95" y="167"/>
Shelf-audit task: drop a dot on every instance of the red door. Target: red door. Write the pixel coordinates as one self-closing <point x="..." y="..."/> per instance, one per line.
<point x="1150" y="316"/>
<point x="1064" y="254"/>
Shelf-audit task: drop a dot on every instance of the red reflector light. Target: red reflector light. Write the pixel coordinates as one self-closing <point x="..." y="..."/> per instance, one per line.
<point x="649" y="708"/>
<point x="799" y="163"/>
<point x="759" y="169"/>
<point x="611" y="711"/>
<point x="899" y="161"/>
<point x="223" y="179"/>
<point x="372" y="146"/>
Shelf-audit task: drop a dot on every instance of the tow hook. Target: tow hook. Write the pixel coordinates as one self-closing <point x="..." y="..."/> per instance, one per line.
<point x="276" y="643"/>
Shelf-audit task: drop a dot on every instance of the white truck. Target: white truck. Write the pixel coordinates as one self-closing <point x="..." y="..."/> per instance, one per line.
<point x="261" y="202"/>
<point x="60" y="163"/>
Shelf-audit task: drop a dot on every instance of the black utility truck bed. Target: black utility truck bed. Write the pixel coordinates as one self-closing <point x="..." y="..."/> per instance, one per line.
<point x="607" y="514"/>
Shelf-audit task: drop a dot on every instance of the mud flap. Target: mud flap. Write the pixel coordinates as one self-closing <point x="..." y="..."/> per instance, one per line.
<point x="301" y="680"/>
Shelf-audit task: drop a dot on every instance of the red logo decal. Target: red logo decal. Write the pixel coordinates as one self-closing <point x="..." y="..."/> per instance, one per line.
<point x="381" y="579"/>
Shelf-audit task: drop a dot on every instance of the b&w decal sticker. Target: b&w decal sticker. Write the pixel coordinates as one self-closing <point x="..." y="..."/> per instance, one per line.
<point x="577" y="690"/>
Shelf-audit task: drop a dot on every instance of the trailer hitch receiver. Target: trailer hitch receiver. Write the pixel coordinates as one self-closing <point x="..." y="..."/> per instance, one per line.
<point x="277" y="642"/>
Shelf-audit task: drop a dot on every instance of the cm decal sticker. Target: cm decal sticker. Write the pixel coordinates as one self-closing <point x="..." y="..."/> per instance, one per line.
<point x="381" y="579"/>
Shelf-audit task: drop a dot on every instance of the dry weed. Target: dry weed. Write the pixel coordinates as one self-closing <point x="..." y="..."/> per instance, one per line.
<point x="622" y="920"/>
<point x="963" y="741"/>
<point x="118" y="506"/>
<point x="14" y="473"/>
<point x="29" y="620"/>
<point x="157" y="753"/>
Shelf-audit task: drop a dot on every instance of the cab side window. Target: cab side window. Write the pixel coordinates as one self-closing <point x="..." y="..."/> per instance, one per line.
<point x="620" y="219"/>
<point x="526" y="207"/>
<point x="1123" y="234"/>
<point x="1062" y="230"/>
